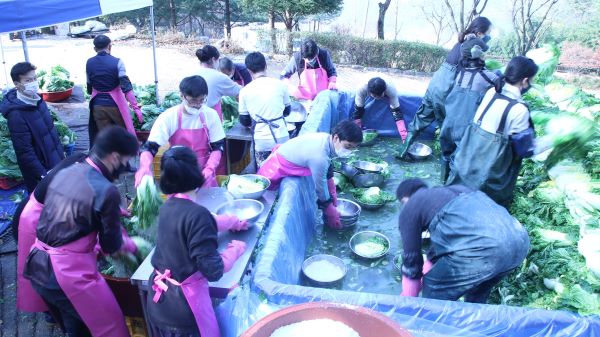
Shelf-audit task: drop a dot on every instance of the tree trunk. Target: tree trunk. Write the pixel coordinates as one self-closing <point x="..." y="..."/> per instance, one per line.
<point x="289" y="25"/>
<point x="273" y="32"/>
<point x="173" y="15"/>
<point x="383" y="7"/>
<point x="227" y="20"/>
<point x="366" y="16"/>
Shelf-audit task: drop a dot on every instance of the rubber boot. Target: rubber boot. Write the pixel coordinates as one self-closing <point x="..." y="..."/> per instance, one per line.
<point x="445" y="169"/>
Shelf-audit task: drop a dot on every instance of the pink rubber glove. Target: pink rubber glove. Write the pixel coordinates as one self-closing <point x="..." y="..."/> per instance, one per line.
<point x="402" y="130"/>
<point x="427" y="265"/>
<point x="410" y="287"/>
<point x="145" y="168"/>
<point x="332" y="217"/>
<point x="128" y="244"/>
<point x="211" y="165"/>
<point x="130" y="96"/>
<point x="234" y="250"/>
<point x="332" y="191"/>
<point x="124" y="212"/>
<point x="230" y="223"/>
<point x="358" y="122"/>
<point x="332" y="83"/>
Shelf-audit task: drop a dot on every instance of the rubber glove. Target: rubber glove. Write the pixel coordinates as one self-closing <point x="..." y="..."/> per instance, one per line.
<point x="332" y="217"/>
<point x="402" y="130"/>
<point x="124" y="212"/>
<point x="230" y="222"/>
<point x="332" y="83"/>
<point x="407" y="143"/>
<point x="427" y="265"/>
<point x="234" y="250"/>
<point x="332" y="191"/>
<point x="410" y="287"/>
<point x="145" y="168"/>
<point x="128" y="245"/>
<point x="130" y="96"/>
<point x="211" y="165"/>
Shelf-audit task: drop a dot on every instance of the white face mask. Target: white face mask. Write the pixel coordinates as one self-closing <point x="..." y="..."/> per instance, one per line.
<point x="343" y="152"/>
<point x="31" y="89"/>
<point x="189" y="109"/>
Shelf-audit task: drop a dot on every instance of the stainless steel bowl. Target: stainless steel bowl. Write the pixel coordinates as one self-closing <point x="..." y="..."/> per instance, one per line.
<point x="368" y="180"/>
<point x="367" y="166"/>
<point x="363" y="236"/>
<point x="297" y="114"/>
<point x="244" y="209"/>
<point x="252" y="195"/>
<point x="348" y="170"/>
<point x="370" y="207"/>
<point x="372" y="141"/>
<point x="329" y="258"/>
<point x="419" y="150"/>
<point x="349" y="212"/>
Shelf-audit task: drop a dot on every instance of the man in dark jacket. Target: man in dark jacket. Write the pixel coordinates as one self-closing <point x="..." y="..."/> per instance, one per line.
<point x="34" y="137"/>
<point x="111" y="90"/>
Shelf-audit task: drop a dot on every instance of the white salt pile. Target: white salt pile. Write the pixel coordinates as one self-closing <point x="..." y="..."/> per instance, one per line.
<point x="324" y="271"/>
<point x="316" y="328"/>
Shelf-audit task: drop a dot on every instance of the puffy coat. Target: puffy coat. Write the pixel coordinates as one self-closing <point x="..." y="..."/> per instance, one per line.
<point x="35" y="140"/>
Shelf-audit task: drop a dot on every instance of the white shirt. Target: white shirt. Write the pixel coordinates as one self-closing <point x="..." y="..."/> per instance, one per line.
<point x="518" y="117"/>
<point x="391" y="94"/>
<point x="219" y="85"/>
<point x="265" y="97"/>
<point x="166" y="124"/>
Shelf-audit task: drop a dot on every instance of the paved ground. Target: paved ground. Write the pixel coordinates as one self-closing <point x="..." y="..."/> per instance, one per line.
<point x="173" y="65"/>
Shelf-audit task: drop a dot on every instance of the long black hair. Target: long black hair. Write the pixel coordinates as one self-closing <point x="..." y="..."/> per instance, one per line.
<point x="518" y="68"/>
<point x="179" y="171"/>
<point x="479" y="25"/>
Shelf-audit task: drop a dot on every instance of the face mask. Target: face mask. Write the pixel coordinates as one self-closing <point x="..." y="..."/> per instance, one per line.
<point x="31" y="89"/>
<point x="189" y="109"/>
<point x="343" y="152"/>
<point x="116" y="173"/>
<point x="486" y="38"/>
<point x="525" y="90"/>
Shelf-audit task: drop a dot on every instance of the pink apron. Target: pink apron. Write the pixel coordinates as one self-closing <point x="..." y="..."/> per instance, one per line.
<point x="276" y="168"/>
<point x="119" y="97"/>
<point x="28" y="299"/>
<point x="312" y="82"/>
<point x="197" y="140"/>
<point x="195" y="290"/>
<point x="219" y="110"/>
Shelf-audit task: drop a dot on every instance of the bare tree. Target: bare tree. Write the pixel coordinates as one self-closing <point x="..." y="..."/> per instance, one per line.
<point x="435" y="14"/>
<point x="383" y="7"/>
<point x="459" y="18"/>
<point x="530" y="20"/>
<point x="366" y="17"/>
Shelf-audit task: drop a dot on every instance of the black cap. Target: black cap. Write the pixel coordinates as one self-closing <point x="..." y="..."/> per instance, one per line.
<point x="101" y="41"/>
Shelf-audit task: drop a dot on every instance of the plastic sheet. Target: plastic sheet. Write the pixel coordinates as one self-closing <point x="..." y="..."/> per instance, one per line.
<point x="8" y="206"/>
<point x="331" y="107"/>
<point x="275" y="280"/>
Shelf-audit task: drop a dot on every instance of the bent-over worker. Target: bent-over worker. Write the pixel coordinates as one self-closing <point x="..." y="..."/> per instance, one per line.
<point x="488" y="157"/>
<point x="310" y="155"/>
<point x="238" y="72"/>
<point x="219" y="84"/>
<point x="315" y="69"/>
<point x="191" y="123"/>
<point x="111" y="90"/>
<point x="378" y="88"/>
<point x="186" y="256"/>
<point x="432" y="107"/>
<point x="81" y="210"/>
<point x="474" y="242"/>
<point x="263" y="105"/>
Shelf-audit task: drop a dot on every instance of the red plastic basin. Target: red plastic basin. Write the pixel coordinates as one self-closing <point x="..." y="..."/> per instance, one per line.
<point x="56" y="96"/>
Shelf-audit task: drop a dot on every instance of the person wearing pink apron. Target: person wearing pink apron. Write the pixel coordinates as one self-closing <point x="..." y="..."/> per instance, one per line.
<point x="111" y="90"/>
<point x="27" y="219"/>
<point x="315" y="70"/>
<point x="186" y="257"/>
<point x="310" y="155"/>
<point x="189" y="124"/>
<point x="81" y="209"/>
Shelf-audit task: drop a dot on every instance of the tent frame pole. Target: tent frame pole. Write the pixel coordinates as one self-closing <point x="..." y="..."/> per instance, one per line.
<point x="154" y="53"/>
<point x="4" y="63"/>
<point x="24" y="42"/>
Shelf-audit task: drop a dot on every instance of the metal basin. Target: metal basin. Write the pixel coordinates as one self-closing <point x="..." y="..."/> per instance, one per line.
<point x="368" y="180"/>
<point x="370" y="207"/>
<point x="297" y="114"/>
<point x="348" y="170"/>
<point x="244" y="209"/>
<point x="252" y="195"/>
<point x="367" y="167"/>
<point x="322" y="279"/>
<point x="419" y="151"/>
<point x="372" y="141"/>
<point x="349" y="212"/>
<point x="365" y="236"/>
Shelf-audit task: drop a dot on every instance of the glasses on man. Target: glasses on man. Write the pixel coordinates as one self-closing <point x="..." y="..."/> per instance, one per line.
<point x="196" y="102"/>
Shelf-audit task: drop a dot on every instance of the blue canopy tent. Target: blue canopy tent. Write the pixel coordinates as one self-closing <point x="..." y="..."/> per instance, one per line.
<point x="21" y="15"/>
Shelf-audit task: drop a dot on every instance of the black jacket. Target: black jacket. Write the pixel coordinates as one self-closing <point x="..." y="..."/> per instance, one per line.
<point x="34" y="137"/>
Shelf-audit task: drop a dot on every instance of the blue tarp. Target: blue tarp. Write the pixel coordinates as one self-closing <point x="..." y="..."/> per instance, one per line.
<point x="16" y="15"/>
<point x="8" y="206"/>
<point x="276" y="277"/>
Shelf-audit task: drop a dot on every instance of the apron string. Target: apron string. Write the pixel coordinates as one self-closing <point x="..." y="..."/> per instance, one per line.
<point x="160" y="286"/>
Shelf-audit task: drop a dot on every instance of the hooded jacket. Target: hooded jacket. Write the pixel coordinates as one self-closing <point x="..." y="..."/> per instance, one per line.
<point x="34" y="137"/>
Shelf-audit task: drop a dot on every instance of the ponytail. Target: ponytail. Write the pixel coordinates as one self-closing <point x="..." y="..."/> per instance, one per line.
<point x="499" y="83"/>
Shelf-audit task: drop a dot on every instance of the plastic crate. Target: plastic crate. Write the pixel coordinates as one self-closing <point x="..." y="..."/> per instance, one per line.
<point x="156" y="161"/>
